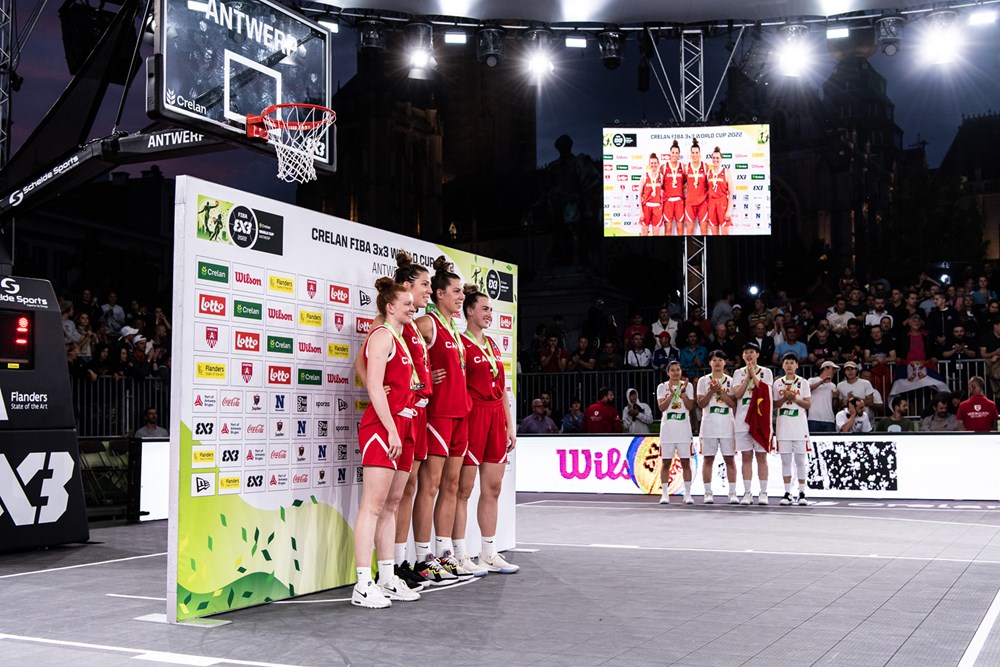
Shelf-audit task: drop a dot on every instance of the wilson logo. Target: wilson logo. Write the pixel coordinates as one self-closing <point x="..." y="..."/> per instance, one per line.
<point x="243" y="278"/>
<point x="337" y="378"/>
<point x="308" y="348"/>
<point x="279" y="314"/>
<point x="212" y="305"/>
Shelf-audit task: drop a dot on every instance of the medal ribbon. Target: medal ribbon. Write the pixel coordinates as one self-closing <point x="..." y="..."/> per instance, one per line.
<point x="414" y="378"/>
<point x="487" y="351"/>
<point x="449" y="324"/>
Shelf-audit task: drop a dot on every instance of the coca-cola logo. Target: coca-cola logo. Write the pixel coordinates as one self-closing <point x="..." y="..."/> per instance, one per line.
<point x="231" y="402"/>
<point x="209" y="304"/>
<point x="339" y="294"/>
<point x="279" y="374"/>
<point x="300" y="479"/>
<point x="279" y="454"/>
<point x="363" y="325"/>
<point x="255" y="428"/>
<point x="247" y="341"/>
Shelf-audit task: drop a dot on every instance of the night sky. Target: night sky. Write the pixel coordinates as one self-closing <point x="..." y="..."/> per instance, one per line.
<point x="578" y="99"/>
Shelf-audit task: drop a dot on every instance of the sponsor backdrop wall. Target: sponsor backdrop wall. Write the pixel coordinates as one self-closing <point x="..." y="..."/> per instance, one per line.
<point x="745" y="152"/>
<point x="272" y="303"/>
<point x="878" y="465"/>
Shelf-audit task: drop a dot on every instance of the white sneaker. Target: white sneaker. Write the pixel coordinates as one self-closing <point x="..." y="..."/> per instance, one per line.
<point x="496" y="563"/>
<point x="688" y="500"/>
<point x="786" y="499"/>
<point x="665" y="499"/>
<point x="762" y="498"/>
<point x="802" y="498"/>
<point x="472" y="566"/>
<point x="747" y="498"/>
<point x="708" y="499"/>
<point x="734" y="499"/>
<point x="371" y="596"/>
<point x="451" y="564"/>
<point x="396" y="589"/>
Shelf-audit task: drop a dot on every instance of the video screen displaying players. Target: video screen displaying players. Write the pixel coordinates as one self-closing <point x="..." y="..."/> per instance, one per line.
<point x="701" y="181"/>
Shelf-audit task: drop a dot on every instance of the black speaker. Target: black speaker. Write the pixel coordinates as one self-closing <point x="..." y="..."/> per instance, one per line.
<point x="82" y="29"/>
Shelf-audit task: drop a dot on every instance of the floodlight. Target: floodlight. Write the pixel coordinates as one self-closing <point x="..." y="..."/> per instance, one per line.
<point x="888" y="33"/>
<point x="454" y="37"/>
<point x="611" y="44"/>
<point x="371" y="35"/>
<point x="420" y="45"/>
<point x="576" y="42"/>
<point x="941" y="39"/>
<point x="329" y="21"/>
<point x="490" y="46"/>
<point x="983" y="17"/>
<point x="837" y="33"/>
<point x="793" y="56"/>
<point x="539" y="51"/>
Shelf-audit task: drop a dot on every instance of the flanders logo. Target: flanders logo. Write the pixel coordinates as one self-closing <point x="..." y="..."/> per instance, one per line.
<point x="281" y="284"/>
<point x="310" y="318"/>
<point x="203" y="457"/>
<point x="210" y="370"/>
<point x="229" y="484"/>
<point x="338" y="350"/>
<point x="213" y="272"/>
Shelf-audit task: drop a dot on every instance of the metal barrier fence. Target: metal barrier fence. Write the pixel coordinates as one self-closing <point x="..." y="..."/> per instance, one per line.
<point x="563" y="387"/>
<point x="109" y="408"/>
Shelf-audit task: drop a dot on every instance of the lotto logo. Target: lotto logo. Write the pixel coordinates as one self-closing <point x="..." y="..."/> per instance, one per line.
<point x="279" y="374"/>
<point x="209" y="304"/>
<point x="247" y="341"/>
<point x="506" y="322"/>
<point x="363" y="325"/>
<point x="339" y="294"/>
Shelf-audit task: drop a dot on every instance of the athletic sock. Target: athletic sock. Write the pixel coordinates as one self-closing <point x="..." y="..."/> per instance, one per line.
<point x="732" y="488"/>
<point x="788" y="487"/>
<point x="385" y="572"/>
<point x="399" y="552"/>
<point x="687" y="488"/>
<point x="763" y="486"/>
<point x="423" y="551"/>
<point x="364" y="576"/>
<point x="442" y="546"/>
<point x="746" y="486"/>
<point x="459" y="549"/>
<point x="489" y="547"/>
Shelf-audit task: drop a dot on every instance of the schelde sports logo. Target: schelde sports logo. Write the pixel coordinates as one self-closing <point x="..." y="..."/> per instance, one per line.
<point x="279" y="374"/>
<point x="340" y="294"/>
<point x="506" y="322"/>
<point x="363" y="325"/>
<point x="210" y="304"/>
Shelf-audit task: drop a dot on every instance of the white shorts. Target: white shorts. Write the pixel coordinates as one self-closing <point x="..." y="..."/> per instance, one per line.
<point x="711" y="446"/>
<point x="746" y="443"/>
<point x="793" y="447"/>
<point x="683" y="450"/>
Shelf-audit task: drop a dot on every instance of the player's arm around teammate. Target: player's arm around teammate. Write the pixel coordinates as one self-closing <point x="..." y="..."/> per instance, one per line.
<point x="491" y="437"/>
<point x="675" y="397"/>
<point x="717" y="404"/>
<point x="386" y="441"/>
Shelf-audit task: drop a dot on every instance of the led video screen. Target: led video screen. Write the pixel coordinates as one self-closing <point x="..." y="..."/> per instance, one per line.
<point x="703" y="181"/>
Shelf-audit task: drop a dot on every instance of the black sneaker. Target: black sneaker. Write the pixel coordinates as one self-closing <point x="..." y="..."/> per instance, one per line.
<point x="802" y="498"/>
<point x="435" y="573"/>
<point x="411" y="578"/>
<point x="786" y="499"/>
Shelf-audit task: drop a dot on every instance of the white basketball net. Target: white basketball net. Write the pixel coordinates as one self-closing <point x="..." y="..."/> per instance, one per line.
<point x="296" y="137"/>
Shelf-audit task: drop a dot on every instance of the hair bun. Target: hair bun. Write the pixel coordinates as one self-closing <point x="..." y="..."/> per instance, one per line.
<point x="384" y="283"/>
<point x="403" y="259"/>
<point x="442" y="265"/>
<point x="675" y="144"/>
<point x="694" y="142"/>
<point x="469" y="289"/>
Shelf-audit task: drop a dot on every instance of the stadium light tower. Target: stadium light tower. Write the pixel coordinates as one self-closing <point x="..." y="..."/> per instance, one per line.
<point x="888" y="33"/>
<point x="793" y="55"/>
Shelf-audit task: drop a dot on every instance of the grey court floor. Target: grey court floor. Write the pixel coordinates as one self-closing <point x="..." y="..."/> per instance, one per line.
<point x="604" y="581"/>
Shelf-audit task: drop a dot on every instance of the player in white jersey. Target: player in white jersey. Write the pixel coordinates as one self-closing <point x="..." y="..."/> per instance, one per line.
<point x="676" y="400"/>
<point x="745" y="380"/>
<point x="791" y="400"/>
<point x="717" y="405"/>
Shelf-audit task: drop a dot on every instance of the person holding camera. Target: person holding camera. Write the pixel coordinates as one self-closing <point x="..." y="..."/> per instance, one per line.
<point x="636" y="415"/>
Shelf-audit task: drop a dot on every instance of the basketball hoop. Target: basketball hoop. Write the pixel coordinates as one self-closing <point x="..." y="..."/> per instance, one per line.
<point x="296" y="131"/>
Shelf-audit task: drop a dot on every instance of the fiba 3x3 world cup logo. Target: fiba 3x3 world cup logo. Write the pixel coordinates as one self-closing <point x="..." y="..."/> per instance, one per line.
<point x="243" y="226"/>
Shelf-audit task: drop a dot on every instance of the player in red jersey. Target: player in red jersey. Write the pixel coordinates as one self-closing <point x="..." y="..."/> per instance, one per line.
<point x="386" y="441"/>
<point x="416" y="279"/>
<point x="491" y="436"/>
<point x="719" y="197"/>
<point x="696" y="190"/>
<point x="447" y="430"/>
<point x="651" y="198"/>
<point x="673" y="192"/>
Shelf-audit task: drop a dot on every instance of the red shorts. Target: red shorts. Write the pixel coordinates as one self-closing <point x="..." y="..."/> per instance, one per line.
<point x="420" y="434"/>
<point x="374" y="441"/>
<point x="447" y="436"/>
<point x="652" y="215"/>
<point x="717" y="209"/>
<point x="673" y="210"/>
<point x="696" y="212"/>
<point x="487" y="434"/>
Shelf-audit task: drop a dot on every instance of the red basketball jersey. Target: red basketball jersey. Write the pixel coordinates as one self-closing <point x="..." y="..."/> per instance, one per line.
<point x="451" y="397"/>
<point x="398" y="377"/>
<point x="652" y="189"/>
<point x="697" y="184"/>
<point x="483" y="385"/>
<point x="718" y="184"/>
<point x="673" y="181"/>
<point x="418" y="353"/>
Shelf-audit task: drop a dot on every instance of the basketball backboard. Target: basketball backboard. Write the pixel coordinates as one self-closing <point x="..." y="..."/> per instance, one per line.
<point x="218" y="60"/>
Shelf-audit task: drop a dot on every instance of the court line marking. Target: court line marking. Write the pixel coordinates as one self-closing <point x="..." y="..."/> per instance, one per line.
<point x="73" y="567"/>
<point x="147" y="654"/>
<point x="432" y="589"/>
<point x="821" y="504"/>
<point x="789" y="512"/>
<point x="982" y="634"/>
<point x="134" y="597"/>
<point x="766" y="552"/>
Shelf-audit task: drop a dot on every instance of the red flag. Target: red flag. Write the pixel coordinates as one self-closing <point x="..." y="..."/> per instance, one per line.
<point x="759" y="415"/>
